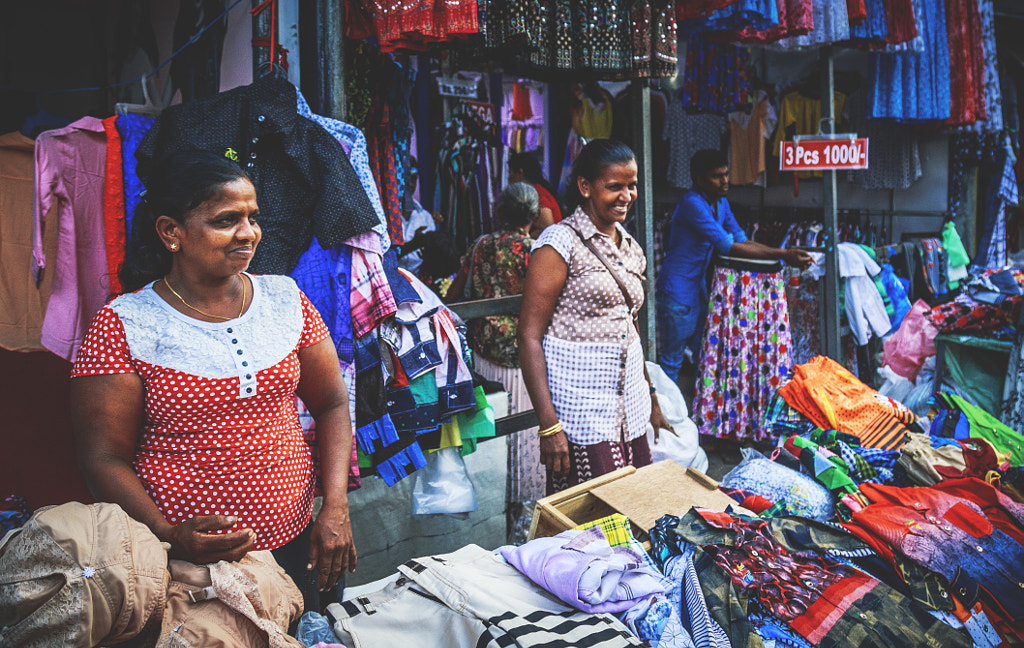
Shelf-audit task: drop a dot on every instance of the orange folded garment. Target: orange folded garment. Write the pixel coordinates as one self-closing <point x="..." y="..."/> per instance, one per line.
<point x="834" y="399"/>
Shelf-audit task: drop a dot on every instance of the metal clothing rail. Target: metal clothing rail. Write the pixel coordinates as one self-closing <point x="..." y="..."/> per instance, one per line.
<point x="513" y="423"/>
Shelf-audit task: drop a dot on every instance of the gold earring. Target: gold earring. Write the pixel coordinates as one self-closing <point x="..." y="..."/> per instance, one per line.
<point x="586" y="195"/>
<point x="173" y="247"/>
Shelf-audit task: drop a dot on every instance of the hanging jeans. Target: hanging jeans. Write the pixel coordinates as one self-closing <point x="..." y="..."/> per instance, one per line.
<point x="469" y="598"/>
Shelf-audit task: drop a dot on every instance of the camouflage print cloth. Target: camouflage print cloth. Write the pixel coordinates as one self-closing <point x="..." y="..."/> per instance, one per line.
<point x="745" y="561"/>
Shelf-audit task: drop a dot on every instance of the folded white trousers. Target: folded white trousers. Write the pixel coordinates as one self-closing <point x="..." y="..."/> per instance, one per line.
<point x="470" y="598"/>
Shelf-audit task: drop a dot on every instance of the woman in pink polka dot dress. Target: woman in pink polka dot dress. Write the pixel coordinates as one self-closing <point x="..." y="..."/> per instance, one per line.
<point x="183" y="390"/>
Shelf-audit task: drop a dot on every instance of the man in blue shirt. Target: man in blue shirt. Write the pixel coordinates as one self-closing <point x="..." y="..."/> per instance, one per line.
<point x="702" y="224"/>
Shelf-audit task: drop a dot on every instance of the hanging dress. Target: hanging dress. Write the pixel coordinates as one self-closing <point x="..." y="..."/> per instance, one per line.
<point x="831" y="25"/>
<point x="911" y="86"/>
<point x="966" y="62"/>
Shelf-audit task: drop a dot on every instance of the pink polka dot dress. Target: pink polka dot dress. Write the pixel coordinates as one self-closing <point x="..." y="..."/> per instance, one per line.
<point x="221" y="433"/>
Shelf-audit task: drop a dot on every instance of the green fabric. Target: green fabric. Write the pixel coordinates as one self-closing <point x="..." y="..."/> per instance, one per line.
<point x="363" y="459"/>
<point x="889" y="310"/>
<point x="830" y="471"/>
<point x="985" y="426"/>
<point x="954" y="246"/>
<point x="980" y="372"/>
<point x="955" y="249"/>
<point x="830" y="439"/>
<point x="424" y="389"/>
<point x="476" y="424"/>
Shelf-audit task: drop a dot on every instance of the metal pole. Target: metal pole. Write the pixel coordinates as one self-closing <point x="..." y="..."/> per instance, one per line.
<point x="260" y="29"/>
<point x="641" y="98"/>
<point x="831" y="338"/>
<point x="331" y="43"/>
<point x="322" y="48"/>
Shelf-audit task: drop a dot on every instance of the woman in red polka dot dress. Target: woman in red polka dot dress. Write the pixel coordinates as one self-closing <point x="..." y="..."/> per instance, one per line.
<point x="183" y="390"/>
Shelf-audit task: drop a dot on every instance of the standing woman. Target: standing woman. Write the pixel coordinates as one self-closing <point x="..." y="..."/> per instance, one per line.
<point x="580" y="350"/>
<point x="183" y="393"/>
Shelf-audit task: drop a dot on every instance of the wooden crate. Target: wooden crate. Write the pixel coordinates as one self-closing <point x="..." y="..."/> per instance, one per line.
<point x="573" y="506"/>
<point x="642" y="495"/>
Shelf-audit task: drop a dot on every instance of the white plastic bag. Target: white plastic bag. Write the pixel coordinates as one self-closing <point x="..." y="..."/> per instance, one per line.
<point x="683" y="447"/>
<point x="894" y="386"/>
<point x="443" y="486"/>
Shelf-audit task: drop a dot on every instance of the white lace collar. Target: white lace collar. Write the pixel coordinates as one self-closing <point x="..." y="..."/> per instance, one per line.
<point x="266" y="333"/>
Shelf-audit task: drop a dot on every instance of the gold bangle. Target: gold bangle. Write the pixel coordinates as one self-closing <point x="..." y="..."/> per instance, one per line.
<point x="551" y="431"/>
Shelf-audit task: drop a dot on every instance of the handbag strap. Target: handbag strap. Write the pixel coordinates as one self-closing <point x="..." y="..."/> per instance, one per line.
<point x="607" y="264"/>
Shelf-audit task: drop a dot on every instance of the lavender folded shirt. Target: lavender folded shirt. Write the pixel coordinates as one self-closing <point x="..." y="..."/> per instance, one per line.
<point x="584" y="571"/>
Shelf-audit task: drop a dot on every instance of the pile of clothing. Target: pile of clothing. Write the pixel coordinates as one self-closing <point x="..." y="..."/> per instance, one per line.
<point x="77" y="575"/>
<point x="990" y="303"/>
<point x="414" y="389"/>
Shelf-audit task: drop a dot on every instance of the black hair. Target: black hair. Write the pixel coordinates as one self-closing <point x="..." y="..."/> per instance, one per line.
<point x="517" y="206"/>
<point x="175" y="185"/>
<point x="596" y="156"/>
<point x="532" y="173"/>
<point x="706" y="160"/>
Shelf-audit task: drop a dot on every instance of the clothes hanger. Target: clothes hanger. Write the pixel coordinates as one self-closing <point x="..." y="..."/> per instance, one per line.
<point x="276" y="70"/>
<point x="149" y="108"/>
<point x="42" y="120"/>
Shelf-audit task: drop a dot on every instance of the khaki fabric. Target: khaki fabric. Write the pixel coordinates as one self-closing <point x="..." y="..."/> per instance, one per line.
<point x="78" y="575"/>
<point x="256" y="602"/>
<point x="919" y="459"/>
<point x="22" y="302"/>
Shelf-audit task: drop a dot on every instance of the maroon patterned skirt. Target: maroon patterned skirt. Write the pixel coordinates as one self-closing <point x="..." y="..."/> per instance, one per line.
<point x="589" y="461"/>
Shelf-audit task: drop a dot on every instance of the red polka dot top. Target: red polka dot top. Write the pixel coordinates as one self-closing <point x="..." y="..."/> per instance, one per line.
<point x="221" y="434"/>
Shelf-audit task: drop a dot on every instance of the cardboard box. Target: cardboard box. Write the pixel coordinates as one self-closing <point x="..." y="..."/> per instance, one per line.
<point x="642" y="495"/>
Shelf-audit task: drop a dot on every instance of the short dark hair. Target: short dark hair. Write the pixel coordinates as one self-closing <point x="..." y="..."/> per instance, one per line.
<point x="596" y="156"/>
<point x="529" y="165"/>
<point x="175" y="185"/>
<point x="706" y="160"/>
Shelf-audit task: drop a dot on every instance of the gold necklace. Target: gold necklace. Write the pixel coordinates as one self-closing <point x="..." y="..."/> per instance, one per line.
<point x="220" y="317"/>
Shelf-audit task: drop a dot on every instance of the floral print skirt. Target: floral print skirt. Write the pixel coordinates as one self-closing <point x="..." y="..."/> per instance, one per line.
<point x="745" y="355"/>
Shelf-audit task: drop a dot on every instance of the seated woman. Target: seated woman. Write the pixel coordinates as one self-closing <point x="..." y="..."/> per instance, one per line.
<point x="524" y="167"/>
<point x="183" y="391"/>
<point x="582" y="358"/>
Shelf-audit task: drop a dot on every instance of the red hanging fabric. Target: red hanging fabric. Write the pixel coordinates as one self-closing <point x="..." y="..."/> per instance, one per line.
<point x="856" y="11"/>
<point x="966" y="62"/>
<point x="113" y="205"/>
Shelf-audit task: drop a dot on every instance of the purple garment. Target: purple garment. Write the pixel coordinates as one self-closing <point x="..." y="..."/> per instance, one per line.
<point x="132" y="128"/>
<point x="323" y="275"/>
<point x="69" y="176"/>
<point x="586" y="572"/>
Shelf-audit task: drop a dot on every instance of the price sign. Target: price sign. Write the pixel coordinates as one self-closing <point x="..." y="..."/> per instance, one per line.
<point x="484" y="112"/>
<point x="821" y="154"/>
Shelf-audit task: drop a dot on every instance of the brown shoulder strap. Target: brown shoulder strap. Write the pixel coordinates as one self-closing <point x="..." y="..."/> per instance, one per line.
<point x="600" y="257"/>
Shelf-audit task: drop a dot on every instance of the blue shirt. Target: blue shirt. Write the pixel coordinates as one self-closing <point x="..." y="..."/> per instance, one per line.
<point x="696" y="233"/>
<point x="132" y="127"/>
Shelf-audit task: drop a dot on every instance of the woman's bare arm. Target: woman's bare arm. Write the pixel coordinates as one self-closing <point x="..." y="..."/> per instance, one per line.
<point x="322" y="390"/>
<point x="545" y="279"/>
<point x="107" y="415"/>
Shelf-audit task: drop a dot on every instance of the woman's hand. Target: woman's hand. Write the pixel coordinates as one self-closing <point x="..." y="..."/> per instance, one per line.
<point x="322" y="389"/>
<point x="193" y="540"/>
<point x="554" y="453"/>
<point x="331" y="548"/>
<point x="658" y="420"/>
